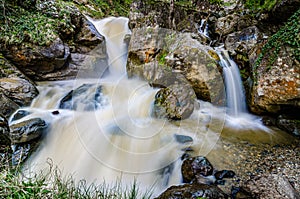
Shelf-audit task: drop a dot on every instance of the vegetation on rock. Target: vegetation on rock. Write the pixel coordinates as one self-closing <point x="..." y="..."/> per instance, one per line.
<point x="288" y="35"/>
<point x="41" y="23"/>
<point x="260" y="4"/>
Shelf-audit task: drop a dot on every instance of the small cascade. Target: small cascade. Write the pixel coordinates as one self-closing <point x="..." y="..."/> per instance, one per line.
<point x="114" y="29"/>
<point x="236" y="101"/>
<point x="203" y="28"/>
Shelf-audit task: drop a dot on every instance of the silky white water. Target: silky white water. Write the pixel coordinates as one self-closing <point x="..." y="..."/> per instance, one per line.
<point x="235" y="96"/>
<point x="120" y="141"/>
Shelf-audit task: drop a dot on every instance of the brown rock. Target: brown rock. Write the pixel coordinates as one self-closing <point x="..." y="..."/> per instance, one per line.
<point x="277" y="86"/>
<point x="19" y="90"/>
<point x="196" y="166"/>
<point x="177" y="53"/>
<point x="4" y="131"/>
<point x="193" y="191"/>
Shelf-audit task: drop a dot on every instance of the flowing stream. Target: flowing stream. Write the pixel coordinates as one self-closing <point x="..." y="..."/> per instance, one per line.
<point x="120" y="140"/>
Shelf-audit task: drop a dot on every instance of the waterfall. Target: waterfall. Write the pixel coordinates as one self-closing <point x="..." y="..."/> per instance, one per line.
<point x="120" y="140"/>
<point x="235" y="95"/>
<point x="114" y="30"/>
<point x="203" y="28"/>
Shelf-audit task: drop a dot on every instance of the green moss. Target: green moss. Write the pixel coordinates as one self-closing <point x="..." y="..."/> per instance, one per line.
<point x="288" y="35"/>
<point x="218" y="2"/>
<point x="260" y="4"/>
<point x="162" y="57"/>
<point x="102" y="8"/>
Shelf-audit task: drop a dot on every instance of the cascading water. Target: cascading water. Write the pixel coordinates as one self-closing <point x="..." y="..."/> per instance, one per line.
<point x="116" y="48"/>
<point x="235" y="95"/>
<point x="119" y="140"/>
<point x="203" y="28"/>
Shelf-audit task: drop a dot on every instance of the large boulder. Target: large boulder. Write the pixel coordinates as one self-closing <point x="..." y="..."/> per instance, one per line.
<point x="19" y="90"/>
<point x="34" y="60"/>
<point x="275" y="70"/>
<point x="276" y="88"/>
<point x="26" y="137"/>
<point x="178" y="53"/>
<point x="15" y="88"/>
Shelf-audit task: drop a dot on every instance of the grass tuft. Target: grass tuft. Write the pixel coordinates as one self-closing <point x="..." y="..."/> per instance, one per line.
<point x="54" y="185"/>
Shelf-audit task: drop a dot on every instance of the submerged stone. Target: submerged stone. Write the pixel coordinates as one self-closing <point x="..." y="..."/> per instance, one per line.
<point x="183" y="138"/>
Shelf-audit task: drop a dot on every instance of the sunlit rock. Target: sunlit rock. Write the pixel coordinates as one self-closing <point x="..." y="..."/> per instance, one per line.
<point x="155" y="52"/>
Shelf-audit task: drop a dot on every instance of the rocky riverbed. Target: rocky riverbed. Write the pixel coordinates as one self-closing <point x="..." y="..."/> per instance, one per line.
<point x="265" y="170"/>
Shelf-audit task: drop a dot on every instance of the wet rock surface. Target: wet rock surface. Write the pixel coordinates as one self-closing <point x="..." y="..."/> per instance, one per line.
<point x="4" y="131"/>
<point x="28" y="130"/>
<point x="87" y="97"/>
<point x="193" y="167"/>
<point x="289" y="124"/>
<point x="193" y="191"/>
<point x="175" y="102"/>
<point x="200" y="179"/>
<point x="19" y="114"/>
<point x="25" y="137"/>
